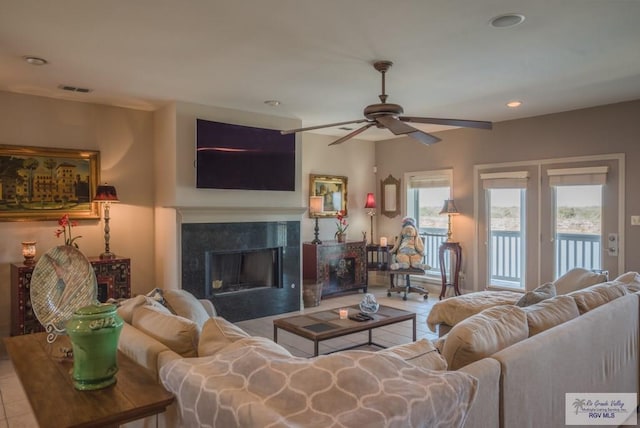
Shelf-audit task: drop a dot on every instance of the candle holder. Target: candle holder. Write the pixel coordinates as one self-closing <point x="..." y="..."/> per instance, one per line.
<point x="29" y="252"/>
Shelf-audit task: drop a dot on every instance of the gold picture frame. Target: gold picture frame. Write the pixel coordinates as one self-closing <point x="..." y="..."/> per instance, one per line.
<point x="390" y="196"/>
<point x="38" y="183"/>
<point x="333" y="188"/>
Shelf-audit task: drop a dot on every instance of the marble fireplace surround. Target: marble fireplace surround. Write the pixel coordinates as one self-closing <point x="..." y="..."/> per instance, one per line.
<point x="206" y="230"/>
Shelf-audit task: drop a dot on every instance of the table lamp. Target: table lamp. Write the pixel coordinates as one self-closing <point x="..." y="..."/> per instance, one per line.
<point x="450" y="209"/>
<point x="316" y="206"/>
<point x="371" y="205"/>
<point x="106" y="194"/>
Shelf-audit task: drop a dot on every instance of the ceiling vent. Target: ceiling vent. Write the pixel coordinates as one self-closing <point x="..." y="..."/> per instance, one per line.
<point x="74" y="89"/>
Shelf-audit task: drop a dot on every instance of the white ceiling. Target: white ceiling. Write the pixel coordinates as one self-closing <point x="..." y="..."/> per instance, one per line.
<point x="315" y="55"/>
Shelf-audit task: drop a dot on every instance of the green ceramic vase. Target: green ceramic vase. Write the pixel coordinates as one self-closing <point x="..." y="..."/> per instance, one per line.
<point x="94" y="331"/>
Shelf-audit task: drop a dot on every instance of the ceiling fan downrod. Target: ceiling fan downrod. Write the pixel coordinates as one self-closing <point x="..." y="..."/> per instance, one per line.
<point x="382" y="67"/>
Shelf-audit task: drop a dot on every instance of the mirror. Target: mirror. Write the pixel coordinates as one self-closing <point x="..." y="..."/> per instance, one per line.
<point x="390" y="191"/>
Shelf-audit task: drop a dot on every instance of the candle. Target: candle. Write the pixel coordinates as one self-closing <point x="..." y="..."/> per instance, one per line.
<point x="344" y="313"/>
<point x="383" y="241"/>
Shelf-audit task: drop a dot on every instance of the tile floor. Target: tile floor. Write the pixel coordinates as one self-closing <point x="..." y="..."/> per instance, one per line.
<point x="15" y="411"/>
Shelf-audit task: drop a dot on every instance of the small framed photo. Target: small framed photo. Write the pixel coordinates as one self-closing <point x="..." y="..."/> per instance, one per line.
<point x="38" y="183"/>
<point x="333" y="190"/>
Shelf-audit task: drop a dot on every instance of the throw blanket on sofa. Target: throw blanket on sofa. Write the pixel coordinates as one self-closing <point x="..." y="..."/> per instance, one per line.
<point x="455" y="309"/>
<point x="254" y="386"/>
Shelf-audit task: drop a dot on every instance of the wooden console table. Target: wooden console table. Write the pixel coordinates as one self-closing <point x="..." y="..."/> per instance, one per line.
<point x="56" y="403"/>
<point x="456" y="250"/>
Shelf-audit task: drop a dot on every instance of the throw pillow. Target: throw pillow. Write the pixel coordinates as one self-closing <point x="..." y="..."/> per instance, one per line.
<point x="126" y="307"/>
<point x="421" y="353"/>
<point x="216" y="334"/>
<point x="550" y="312"/>
<point x="539" y="294"/>
<point x="175" y="332"/>
<point x="185" y="304"/>
<point x="597" y="295"/>
<point x="484" y="334"/>
<point x="631" y="280"/>
<point x="577" y="279"/>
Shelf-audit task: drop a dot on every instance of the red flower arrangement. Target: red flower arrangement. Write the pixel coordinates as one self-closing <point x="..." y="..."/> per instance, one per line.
<point x="65" y="225"/>
<point x="342" y="223"/>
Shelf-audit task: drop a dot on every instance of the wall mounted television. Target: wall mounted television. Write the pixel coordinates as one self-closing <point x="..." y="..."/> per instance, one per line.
<point x="243" y="157"/>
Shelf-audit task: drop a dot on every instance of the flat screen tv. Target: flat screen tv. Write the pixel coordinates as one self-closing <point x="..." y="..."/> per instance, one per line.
<point x="243" y="157"/>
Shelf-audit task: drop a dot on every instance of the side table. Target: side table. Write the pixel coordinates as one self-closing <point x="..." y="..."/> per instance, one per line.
<point x="455" y="249"/>
<point x="56" y="403"/>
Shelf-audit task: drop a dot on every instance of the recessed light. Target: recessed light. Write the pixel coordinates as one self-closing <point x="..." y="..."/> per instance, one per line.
<point x="514" y="104"/>
<point x="507" y="20"/>
<point x="34" y="60"/>
<point x="273" y="103"/>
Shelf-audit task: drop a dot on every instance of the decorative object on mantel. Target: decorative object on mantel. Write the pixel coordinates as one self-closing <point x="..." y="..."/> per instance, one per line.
<point x="450" y="209"/>
<point x="341" y="233"/>
<point x="62" y="281"/>
<point x="369" y="304"/>
<point x="106" y="195"/>
<point x="66" y="224"/>
<point x="94" y="331"/>
<point x="316" y="206"/>
<point x="371" y="205"/>
<point x="29" y="252"/>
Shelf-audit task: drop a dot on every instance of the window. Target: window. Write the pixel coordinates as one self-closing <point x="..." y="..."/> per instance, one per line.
<point x="577" y="222"/>
<point x="506" y="225"/>
<point x="426" y="193"/>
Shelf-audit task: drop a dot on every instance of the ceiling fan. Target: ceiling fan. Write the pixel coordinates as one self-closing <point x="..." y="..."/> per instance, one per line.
<point x="388" y="115"/>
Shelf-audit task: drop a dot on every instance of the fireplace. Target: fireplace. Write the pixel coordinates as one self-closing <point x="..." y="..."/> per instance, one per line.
<point x="247" y="269"/>
<point x="229" y="272"/>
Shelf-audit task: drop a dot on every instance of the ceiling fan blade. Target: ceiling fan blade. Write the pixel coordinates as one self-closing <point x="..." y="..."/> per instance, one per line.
<point x="449" y="122"/>
<point x="329" y="125"/>
<point x="423" y="137"/>
<point x="394" y="125"/>
<point x="352" y="134"/>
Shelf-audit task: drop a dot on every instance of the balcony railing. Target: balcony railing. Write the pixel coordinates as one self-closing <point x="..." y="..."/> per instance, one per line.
<point x="572" y="250"/>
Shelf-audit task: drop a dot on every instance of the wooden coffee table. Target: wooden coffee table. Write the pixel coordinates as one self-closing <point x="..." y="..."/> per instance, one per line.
<point x="324" y="325"/>
<point x="56" y="403"/>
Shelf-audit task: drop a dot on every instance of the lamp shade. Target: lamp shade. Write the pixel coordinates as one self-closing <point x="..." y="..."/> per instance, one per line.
<point x="316" y="204"/>
<point x="371" y="201"/>
<point x="449" y="208"/>
<point x="106" y="193"/>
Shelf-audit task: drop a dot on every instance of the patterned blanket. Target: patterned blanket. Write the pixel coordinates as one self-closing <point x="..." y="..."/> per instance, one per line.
<point x="254" y="386"/>
<point x="455" y="309"/>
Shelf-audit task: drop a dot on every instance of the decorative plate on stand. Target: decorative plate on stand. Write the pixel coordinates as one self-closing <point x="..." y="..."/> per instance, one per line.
<point x="62" y="282"/>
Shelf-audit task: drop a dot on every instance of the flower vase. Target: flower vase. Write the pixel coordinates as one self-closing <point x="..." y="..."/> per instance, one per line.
<point x="341" y="237"/>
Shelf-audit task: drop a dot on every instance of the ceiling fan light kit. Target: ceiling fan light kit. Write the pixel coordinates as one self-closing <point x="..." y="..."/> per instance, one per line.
<point x="389" y="116"/>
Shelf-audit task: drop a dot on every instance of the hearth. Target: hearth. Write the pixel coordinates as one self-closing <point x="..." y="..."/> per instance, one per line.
<point x="258" y="264"/>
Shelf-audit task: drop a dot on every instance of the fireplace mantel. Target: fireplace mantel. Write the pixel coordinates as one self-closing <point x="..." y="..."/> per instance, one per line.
<point x="237" y="214"/>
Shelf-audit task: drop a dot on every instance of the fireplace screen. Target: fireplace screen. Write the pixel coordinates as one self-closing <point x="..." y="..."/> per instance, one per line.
<point x="243" y="270"/>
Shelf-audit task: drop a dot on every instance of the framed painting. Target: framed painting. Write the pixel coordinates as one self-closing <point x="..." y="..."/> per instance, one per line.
<point x="38" y="183"/>
<point x="333" y="190"/>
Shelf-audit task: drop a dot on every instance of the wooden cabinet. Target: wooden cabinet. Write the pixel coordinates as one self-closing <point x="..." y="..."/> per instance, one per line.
<point x="114" y="281"/>
<point x="341" y="267"/>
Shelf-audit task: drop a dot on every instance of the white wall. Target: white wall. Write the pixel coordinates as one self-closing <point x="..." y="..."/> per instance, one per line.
<point x="124" y="138"/>
<point x="353" y="159"/>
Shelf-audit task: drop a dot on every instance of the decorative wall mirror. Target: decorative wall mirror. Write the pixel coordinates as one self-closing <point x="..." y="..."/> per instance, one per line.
<point x="390" y="191"/>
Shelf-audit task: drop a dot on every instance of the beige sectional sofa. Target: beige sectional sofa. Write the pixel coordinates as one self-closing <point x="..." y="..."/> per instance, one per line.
<point x="522" y="360"/>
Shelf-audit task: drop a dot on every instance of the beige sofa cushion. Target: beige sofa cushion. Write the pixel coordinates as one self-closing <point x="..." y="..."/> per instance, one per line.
<point x="550" y="312"/>
<point x="577" y="279"/>
<point x="597" y="295"/>
<point x="421" y="353"/>
<point x="545" y="291"/>
<point x="126" y="307"/>
<point x="177" y="333"/>
<point x="216" y="334"/>
<point x="185" y="304"/>
<point x="484" y="334"/>
<point x="631" y="280"/>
